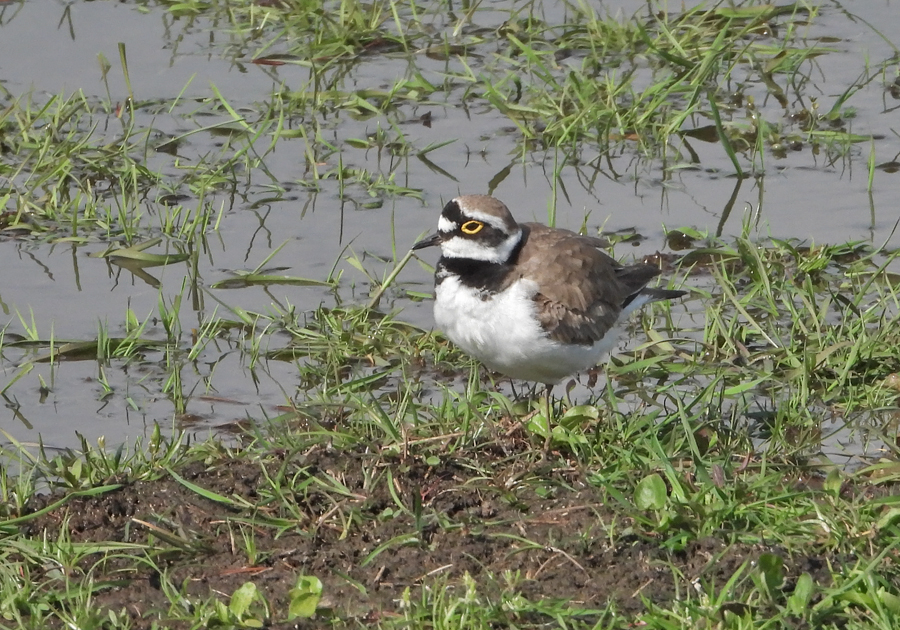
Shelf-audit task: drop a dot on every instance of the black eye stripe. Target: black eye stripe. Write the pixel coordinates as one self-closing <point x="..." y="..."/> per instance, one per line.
<point x="488" y="234"/>
<point x="453" y="213"/>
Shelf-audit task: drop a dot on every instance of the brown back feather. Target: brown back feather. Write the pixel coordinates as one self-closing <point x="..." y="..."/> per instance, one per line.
<point x="577" y="307"/>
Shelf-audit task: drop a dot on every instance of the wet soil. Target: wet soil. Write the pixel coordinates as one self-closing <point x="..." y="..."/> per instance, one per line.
<point x="369" y="528"/>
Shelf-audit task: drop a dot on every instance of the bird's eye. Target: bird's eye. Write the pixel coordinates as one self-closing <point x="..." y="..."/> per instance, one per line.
<point x="472" y="227"/>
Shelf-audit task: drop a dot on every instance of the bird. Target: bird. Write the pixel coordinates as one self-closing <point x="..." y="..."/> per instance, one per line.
<point x="532" y="302"/>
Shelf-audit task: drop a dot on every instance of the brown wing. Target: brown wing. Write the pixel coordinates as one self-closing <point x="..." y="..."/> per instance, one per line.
<point x="588" y="288"/>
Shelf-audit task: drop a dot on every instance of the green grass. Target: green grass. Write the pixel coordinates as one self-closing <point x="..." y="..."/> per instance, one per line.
<point x="697" y="486"/>
<point x="80" y="167"/>
<point x="723" y="451"/>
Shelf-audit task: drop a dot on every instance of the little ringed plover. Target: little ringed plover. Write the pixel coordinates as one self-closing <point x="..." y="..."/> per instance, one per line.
<point x="530" y="301"/>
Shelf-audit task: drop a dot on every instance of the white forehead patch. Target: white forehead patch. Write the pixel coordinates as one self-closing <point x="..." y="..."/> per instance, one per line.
<point x="446" y="225"/>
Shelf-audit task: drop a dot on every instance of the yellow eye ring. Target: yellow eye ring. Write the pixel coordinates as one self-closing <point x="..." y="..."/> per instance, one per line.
<point x="472" y="227"/>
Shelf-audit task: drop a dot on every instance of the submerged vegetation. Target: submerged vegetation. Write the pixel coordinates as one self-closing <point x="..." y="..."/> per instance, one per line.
<point x="735" y="468"/>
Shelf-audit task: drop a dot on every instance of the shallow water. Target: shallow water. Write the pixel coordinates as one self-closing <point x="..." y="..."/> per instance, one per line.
<point x="69" y="294"/>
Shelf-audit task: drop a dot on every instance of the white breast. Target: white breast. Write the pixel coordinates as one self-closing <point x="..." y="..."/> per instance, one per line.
<point x="504" y="334"/>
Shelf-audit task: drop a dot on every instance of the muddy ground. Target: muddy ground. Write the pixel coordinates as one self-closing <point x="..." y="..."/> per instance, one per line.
<point x="568" y="545"/>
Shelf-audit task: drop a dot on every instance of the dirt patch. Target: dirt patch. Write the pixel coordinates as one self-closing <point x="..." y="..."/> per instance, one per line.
<point x="370" y="529"/>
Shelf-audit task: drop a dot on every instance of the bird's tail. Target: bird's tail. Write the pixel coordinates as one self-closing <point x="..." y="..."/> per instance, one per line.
<point x="655" y="295"/>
